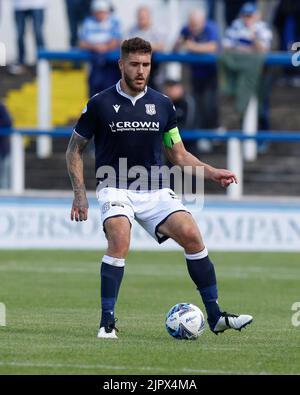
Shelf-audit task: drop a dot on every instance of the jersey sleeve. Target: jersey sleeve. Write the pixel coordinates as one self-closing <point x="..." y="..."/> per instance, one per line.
<point x="213" y="32"/>
<point x="86" y="125"/>
<point x="264" y="35"/>
<point x="171" y="114"/>
<point x="116" y="30"/>
<point x="171" y="134"/>
<point x="231" y="35"/>
<point x="84" y="30"/>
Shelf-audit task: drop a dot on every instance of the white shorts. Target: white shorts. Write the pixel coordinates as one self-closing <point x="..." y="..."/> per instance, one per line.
<point x="149" y="208"/>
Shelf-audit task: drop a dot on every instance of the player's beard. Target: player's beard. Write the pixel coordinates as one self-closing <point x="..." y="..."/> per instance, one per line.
<point x="130" y="83"/>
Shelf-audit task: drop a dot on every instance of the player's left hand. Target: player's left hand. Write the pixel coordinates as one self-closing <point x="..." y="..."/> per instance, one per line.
<point x="79" y="213"/>
<point x="223" y="177"/>
<point x="80" y="206"/>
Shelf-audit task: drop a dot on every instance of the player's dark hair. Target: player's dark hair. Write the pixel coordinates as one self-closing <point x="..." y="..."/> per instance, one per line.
<point x="135" y="44"/>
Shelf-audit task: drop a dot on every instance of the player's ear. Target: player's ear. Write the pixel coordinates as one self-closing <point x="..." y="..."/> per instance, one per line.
<point x="121" y="63"/>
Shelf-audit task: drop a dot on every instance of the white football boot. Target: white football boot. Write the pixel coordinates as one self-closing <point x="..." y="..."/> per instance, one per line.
<point x="108" y="331"/>
<point x="231" y="321"/>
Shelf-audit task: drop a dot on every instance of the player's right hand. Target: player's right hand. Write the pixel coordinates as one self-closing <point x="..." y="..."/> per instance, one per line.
<point x="223" y="177"/>
<point x="79" y="211"/>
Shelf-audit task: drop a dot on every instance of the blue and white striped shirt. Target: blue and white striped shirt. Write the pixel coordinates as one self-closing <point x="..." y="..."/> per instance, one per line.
<point x="238" y="34"/>
<point x="94" y="31"/>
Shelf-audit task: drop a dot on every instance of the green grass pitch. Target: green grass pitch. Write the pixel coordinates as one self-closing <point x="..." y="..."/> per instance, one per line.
<point x="52" y="312"/>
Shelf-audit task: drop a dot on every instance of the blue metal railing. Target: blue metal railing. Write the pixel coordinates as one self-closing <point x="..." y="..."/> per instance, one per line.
<point x="280" y="136"/>
<point x="272" y="58"/>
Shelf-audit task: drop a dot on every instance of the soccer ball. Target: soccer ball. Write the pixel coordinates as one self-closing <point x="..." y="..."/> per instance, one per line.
<point x="185" y="321"/>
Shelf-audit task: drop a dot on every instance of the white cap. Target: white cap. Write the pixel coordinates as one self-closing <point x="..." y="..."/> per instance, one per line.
<point x="100" y="5"/>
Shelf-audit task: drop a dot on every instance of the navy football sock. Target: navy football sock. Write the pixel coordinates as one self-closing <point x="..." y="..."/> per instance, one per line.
<point x="112" y="270"/>
<point x="203" y="274"/>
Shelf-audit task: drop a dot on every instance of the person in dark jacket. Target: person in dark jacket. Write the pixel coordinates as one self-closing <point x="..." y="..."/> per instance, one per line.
<point x="77" y="11"/>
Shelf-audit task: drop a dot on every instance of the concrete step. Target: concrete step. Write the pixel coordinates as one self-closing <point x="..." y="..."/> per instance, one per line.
<point x="9" y="81"/>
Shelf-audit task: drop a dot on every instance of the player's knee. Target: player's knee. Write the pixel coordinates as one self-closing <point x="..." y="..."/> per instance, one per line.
<point x="117" y="251"/>
<point x="191" y="240"/>
<point x="118" y="246"/>
<point x="118" y="237"/>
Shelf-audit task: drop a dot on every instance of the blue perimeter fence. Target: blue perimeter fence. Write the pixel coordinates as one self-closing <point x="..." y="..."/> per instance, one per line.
<point x="187" y="135"/>
<point x="272" y="58"/>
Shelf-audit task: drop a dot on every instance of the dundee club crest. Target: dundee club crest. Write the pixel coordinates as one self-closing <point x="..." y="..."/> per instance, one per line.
<point x="150" y="109"/>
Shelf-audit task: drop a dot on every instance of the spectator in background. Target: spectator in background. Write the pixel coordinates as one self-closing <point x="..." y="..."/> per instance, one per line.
<point x="232" y="9"/>
<point x="100" y="34"/>
<point x="202" y="36"/>
<point x="248" y="33"/>
<point x="211" y="9"/>
<point x="183" y="102"/>
<point x="26" y="10"/>
<point x="144" y="29"/>
<point x="77" y="11"/>
<point x="5" y="122"/>
<point x="286" y="22"/>
<point x="185" y="107"/>
<point x="245" y="44"/>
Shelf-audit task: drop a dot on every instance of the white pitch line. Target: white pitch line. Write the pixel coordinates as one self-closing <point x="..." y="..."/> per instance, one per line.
<point x="109" y="367"/>
<point x="237" y="273"/>
<point x="47" y="271"/>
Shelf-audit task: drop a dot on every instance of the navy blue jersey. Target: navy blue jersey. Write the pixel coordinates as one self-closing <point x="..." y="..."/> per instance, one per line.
<point x="127" y="127"/>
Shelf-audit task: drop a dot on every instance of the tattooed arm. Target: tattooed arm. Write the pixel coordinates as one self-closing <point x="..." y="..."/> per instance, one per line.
<point x="74" y="159"/>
